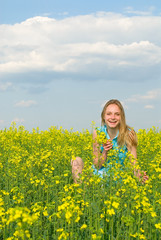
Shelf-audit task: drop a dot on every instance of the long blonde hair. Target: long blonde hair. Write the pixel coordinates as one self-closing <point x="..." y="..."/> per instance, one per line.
<point x="124" y="130"/>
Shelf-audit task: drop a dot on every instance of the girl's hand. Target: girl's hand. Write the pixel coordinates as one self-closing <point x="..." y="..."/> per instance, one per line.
<point x="142" y="176"/>
<point x="145" y="178"/>
<point x="108" y="145"/>
<point x="131" y="136"/>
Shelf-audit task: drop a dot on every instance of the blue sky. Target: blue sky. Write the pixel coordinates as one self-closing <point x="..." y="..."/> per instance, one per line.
<point x="62" y="60"/>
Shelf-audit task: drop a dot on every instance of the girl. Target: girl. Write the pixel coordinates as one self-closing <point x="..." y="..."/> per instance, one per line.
<point x="118" y="134"/>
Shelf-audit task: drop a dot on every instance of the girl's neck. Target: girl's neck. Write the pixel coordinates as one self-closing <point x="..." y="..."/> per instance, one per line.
<point x="112" y="132"/>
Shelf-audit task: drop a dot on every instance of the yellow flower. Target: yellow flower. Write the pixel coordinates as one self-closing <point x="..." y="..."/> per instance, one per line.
<point x="4" y="192"/>
<point x="58" y="215"/>
<point x="27" y="234"/>
<point x="153" y="214"/>
<point x="101" y="137"/>
<point x="132" y="212"/>
<point x="77" y="219"/>
<point x="142" y="236"/>
<point x="63" y="236"/>
<point x="84" y="226"/>
<point x="158" y="225"/>
<point x="134" y="235"/>
<point x="101" y="230"/>
<point x="142" y="230"/>
<point x="94" y="236"/>
<point x="60" y="230"/>
<point x="45" y="213"/>
<point x="68" y="215"/>
<point x="111" y="211"/>
<point x="115" y="205"/>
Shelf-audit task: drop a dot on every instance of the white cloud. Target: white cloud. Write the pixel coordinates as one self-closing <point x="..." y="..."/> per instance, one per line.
<point x="150" y="95"/>
<point x="149" y="106"/>
<point x="153" y="94"/>
<point x="98" y="45"/>
<point x="27" y="103"/>
<point x="130" y="10"/>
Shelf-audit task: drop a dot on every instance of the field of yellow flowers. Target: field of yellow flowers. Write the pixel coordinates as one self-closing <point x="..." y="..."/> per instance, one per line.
<point x="38" y="199"/>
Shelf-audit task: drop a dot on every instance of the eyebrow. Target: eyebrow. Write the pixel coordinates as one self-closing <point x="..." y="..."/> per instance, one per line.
<point x="111" y="112"/>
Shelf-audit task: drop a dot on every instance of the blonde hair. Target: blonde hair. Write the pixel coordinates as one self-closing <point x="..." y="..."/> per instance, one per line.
<point x="124" y="130"/>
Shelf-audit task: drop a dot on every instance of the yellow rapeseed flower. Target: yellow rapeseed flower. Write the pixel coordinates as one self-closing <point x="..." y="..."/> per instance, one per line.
<point x="68" y="215"/>
<point x="84" y="226"/>
<point x="60" y="230"/>
<point x="115" y="205"/>
<point x="94" y="236"/>
<point x="111" y="212"/>
<point x="158" y="225"/>
<point x="141" y="236"/>
<point x="153" y="214"/>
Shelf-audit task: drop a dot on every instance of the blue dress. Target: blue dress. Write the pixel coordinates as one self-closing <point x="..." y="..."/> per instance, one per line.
<point x="120" y="154"/>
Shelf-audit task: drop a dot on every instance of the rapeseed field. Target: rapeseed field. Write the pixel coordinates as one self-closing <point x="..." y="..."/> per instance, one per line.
<point x="39" y="200"/>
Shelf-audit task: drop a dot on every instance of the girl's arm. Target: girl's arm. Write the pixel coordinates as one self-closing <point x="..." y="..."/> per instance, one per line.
<point x="137" y="172"/>
<point x="133" y="151"/>
<point x="100" y="158"/>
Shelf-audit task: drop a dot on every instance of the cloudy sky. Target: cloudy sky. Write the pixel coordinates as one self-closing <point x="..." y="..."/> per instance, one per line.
<point x="61" y="60"/>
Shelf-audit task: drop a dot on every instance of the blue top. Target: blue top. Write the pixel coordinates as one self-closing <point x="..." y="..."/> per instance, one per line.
<point x="120" y="153"/>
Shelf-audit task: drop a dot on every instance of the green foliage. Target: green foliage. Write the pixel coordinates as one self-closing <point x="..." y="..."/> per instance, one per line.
<point x="38" y="199"/>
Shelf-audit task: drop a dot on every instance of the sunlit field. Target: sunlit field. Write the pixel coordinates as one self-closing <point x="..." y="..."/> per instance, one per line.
<point x="39" y="200"/>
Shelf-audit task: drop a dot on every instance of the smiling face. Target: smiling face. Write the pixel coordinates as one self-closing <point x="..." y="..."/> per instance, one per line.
<point x="112" y="116"/>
